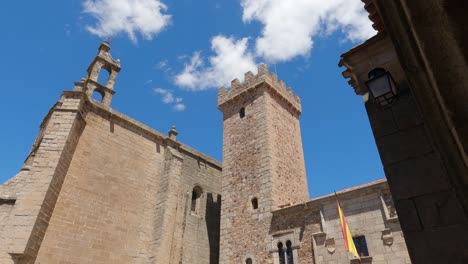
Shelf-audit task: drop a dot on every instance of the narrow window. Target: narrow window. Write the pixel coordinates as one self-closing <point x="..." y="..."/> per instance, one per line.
<point x="361" y="246"/>
<point x="282" y="259"/>
<point x="196" y="193"/>
<point x="289" y="252"/>
<point x="248" y="261"/>
<point x="242" y="112"/>
<point x="254" y="203"/>
<point x="194" y="201"/>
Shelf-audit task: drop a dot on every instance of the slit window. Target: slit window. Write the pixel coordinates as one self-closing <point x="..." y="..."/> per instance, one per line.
<point x="196" y="194"/>
<point x="289" y="252"/>
<point x="254" y="203"/>
<point x="282" y="259"/>
<point x="361" y="246"/>
<point x="242" y="112"/>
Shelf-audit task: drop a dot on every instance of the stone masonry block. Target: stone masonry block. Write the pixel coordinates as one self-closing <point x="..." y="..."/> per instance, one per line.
<point x="408" y="214"/>
<point x="440" y="209"/>
<point x="409" y="143"/>
<point x="418" y="176"/>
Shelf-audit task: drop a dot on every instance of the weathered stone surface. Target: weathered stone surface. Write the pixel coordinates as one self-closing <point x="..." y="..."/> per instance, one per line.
<point x="421" y="136"/>
<point x="100" y="187"/>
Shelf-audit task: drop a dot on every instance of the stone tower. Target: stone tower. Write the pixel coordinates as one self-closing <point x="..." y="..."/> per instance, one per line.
<point x="90" y="84"/>
<point x="263" y="163"/>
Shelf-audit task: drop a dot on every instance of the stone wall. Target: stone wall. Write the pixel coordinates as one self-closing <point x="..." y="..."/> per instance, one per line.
<point x="42" y="177"/>
<point x="288" y="172"/>
<point x="201" y="227"/>
<point x="105" y="210"/>
<point x="316" y="227"/>
<point x="425" y="177"/>
<point x="246" y="175"/>
<point x="125" y="196"/>
<point x="262" y="161"/>
<point x="432" y="188"/>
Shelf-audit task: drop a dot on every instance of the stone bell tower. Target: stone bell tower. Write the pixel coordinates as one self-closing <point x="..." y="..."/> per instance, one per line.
<point x="263" y="162"/>
<point x="48" y="163"/>
<point x="90" y="84"/>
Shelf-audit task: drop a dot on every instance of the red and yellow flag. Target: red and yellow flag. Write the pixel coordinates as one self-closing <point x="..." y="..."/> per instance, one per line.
<point x="348" y="239"/>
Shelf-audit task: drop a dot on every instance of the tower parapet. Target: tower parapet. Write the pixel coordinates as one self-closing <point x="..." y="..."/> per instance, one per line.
<point x="251" y="82"/>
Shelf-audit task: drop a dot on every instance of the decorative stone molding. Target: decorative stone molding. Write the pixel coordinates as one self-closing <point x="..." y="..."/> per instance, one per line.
<point x="353" y="80"/>
<point x="387" y="237"/>
<point x="388" y="208"/>
<point x="172" y="134"/>
<point x="330" y="245"/>
<point x="366" y="259"/>
<point x="283" y="236"/>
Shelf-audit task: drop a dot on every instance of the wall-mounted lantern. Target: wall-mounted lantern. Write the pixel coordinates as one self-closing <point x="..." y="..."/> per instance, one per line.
<point x="382" y="87"/>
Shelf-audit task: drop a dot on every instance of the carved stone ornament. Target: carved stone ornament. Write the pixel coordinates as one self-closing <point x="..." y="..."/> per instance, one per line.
<point x="387" y="237"/>
<point x="330" y="244"/>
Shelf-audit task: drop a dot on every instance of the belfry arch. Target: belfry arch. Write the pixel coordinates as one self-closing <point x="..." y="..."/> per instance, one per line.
<point x="90" y="84"/>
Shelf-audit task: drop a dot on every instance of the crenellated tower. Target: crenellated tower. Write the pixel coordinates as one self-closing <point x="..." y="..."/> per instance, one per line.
<point x="263" y="162"/>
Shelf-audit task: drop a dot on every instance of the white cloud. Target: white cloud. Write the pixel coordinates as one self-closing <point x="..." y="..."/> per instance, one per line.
<point x="231" y="59"/>
<point x="113" y="17"/>
<point x="168" y="98"/>
<point x="162" y="64"/>
<point x="160" y="91"/>
<point x="289" y="26"/>
<point x="179" y="107"/>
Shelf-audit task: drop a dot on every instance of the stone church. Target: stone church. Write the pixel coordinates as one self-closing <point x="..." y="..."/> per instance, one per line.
<point x="101" y="187"/>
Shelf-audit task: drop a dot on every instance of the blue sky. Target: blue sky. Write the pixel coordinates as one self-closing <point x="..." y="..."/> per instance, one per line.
<point x="175" y="54"/>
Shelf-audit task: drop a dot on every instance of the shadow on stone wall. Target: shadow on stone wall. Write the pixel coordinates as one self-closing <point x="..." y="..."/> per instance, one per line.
<point x="213" y="219"/>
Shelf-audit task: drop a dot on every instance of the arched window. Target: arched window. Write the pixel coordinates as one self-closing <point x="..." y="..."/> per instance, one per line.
<point x="289" y="252"/>
<point x="282" y="259"/>
<point x="98" y="96"/>
<point x="196" y="194"/>
<point x="254" y="203"/>
<point x="103" y="76"/>
<point x="248" y="261"/>
<point x="242" y="112"/>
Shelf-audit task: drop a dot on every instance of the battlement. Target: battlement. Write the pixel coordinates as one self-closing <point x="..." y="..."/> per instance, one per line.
<point x="264" y="78"/>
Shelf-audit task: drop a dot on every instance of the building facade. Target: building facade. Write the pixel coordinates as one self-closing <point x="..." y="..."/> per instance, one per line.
<point x="422" y="133"/>
<point x="100" y="187"/>
<point x="266" y="215"/>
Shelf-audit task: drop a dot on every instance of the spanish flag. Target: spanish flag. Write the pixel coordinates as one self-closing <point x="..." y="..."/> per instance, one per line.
<point x="348" y="239"/>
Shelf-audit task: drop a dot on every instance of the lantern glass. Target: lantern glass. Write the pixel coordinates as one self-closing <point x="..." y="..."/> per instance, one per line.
<point x="382" y="86"/>
<point x="379" y="86"/>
